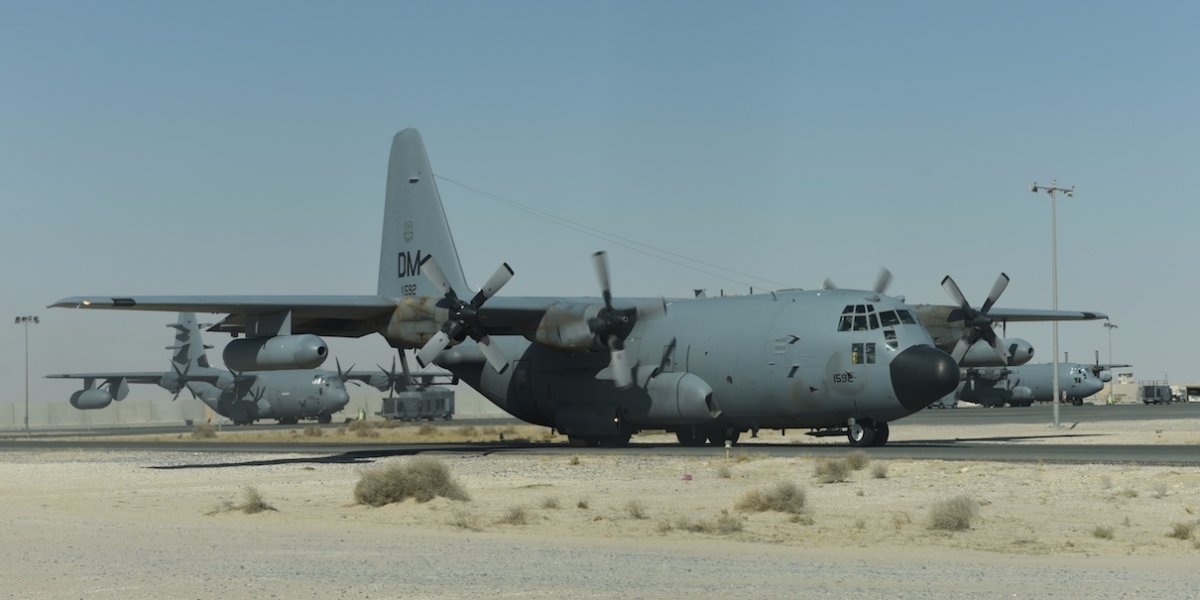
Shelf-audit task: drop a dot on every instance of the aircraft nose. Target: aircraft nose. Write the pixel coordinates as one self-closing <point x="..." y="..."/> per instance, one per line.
<point x="342" y="397"/>
<point x="922" y="374"/>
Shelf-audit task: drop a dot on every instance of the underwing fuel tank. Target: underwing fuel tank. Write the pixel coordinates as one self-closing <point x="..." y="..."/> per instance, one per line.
<point x="274" y="353"/>
<point x="91" y="399"/>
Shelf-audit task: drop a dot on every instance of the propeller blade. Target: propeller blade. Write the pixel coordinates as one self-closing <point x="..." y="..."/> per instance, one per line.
<point x="434" y="273"/>
<point x="493" y="285"/>
<point x="955" y="293"/>
<point x="882" y="281"/>
<point x="408" y="379"/>
<point x="828" y="284"/>
<point x="997" y="289"/>
<point x="600" y="261"/>
<point x="494" y="355"/>
<point x="652" y="309"/>
<point x="960" y="350"/>
<point x="621" y="372"/>
<point x="436" y="344"/>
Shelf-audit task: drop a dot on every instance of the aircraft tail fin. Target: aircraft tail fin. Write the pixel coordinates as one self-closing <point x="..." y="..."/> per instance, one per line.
<point x="189" y="348"/>
<point x="414" y="225"/>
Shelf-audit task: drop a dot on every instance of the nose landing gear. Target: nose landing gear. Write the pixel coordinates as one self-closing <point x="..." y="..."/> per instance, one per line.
<point x="864" y="433"/>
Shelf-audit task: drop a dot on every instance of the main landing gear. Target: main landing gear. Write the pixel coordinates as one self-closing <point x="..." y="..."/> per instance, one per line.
<point x="694" y="436"/>
<point x="864" y="433"/>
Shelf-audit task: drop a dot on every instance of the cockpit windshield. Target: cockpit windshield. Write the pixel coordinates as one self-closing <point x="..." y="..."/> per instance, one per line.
<point x="863" y="317"/>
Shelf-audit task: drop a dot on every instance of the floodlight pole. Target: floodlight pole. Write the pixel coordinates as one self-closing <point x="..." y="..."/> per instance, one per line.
<point x="26" y="320"/>
<point x="1109" y="325"/>
<point x="1053" y="190"/>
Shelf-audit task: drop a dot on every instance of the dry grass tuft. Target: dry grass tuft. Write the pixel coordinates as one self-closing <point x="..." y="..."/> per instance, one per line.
<point x="1182" y="531"/>
<point x="857" y="460"/>
<point x="784" y="497"/>
<point x="467" y="431"/>
<point x="252" y="505"/>
<point x="636" y="509"/>
<point x="552" y="503"/>
<point x="954" y="514"/>
<point x="420" y="478"/>
<point x="725" y="472"/>
<point x="723" y="524"/>
<point x="574" y="462"/>
<point x="464" y="519"/>
<point x="582" y="504"/>
<point x="426" y="429"/>
<point x="364" y="429"/>
<point x="313" y="431"/>
<point x="829" y="470"/>
<point x="516" y="515"/>
<point x="1104" y="533"/>
<point x="879" y="470"/>
<point x="204" y="431"/>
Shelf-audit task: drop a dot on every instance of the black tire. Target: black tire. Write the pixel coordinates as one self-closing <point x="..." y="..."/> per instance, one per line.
<point x="324" y="419"/>
<point x="690" y="437"/>
<point x="881" y="434"/>
<point x="614" y="441"/>
<point x="862" y="433"/>
<point x="582" y="441"/>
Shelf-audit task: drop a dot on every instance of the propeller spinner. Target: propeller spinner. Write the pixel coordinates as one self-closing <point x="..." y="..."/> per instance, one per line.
<point x="611" y="325"/>
<point x="464" y="316"/>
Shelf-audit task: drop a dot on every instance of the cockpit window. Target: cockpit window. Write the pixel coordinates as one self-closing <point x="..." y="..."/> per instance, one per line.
<point x="874" y="321"/>
<point x="318" y="380"/>
<point x="863" y="317"/>
<point x="906" y="317"/>
<point x="860" y="322"/>
<point x="888" y="318"/>
<point x="860" y="309"/>
<point x="844" y="324"/>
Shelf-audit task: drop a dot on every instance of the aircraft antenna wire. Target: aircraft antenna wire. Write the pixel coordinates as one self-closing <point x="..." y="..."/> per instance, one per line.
<point x="646" y="249"/>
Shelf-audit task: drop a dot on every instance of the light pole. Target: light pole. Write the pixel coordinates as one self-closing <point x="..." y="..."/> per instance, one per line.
<point x="1109" y="325"/>
<point x="26" y="320"/>
<point x="1053" y="190"/>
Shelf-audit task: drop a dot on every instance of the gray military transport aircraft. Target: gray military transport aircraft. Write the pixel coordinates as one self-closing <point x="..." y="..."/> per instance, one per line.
<point x="1023" y="385"/>
<point x="836" y="362"/>
<point x="287" y="395"/>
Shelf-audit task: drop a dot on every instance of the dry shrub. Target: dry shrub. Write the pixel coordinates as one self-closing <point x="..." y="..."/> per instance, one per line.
<point x="723" y="524"/>
<point x="1182" y="531"/>
<point x="636" y="509"/>
<point x="420" y="478"/>
<point x="724" y="472"/>
<point x="254" y="503"/>
<point x="1104" y="533"/>
<point x="831" y="471"/>
<point x="463" y="519"/>
<point x="784" y="497"/>
<point x="574" y="462"/>
<point x="313" y="431"/>
<point x="426" y="429"/>
<point x="954" y="514"/>
<point x="582" y="504"/>
<point x="550" y="502"/>
<point x="516" y="515"/>
<point x="204" y="431"/>
<point x="879" y="470"/>
<point x="857" y="460"/>
<point x="364" y="429"/>
<point x="467" y="431"/>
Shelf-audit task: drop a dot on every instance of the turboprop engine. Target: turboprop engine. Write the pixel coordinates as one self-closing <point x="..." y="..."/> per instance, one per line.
<point x="91" y="399"/>
<point x="980" y="354"/>
<point x="273" y="353"/>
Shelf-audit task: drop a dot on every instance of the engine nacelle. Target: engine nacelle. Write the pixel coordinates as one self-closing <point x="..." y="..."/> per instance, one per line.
<point x="91" y="399"/>
<point x="681" y="397"/>
<point x="273" y="353"/>
<point x="1022" y="392"/>
<point x="1105" y="376"/>
<point x="981" y="354"/>
<point x="119" y="388"/>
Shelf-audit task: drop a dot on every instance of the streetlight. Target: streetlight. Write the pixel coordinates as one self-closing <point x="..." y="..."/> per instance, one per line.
<point x="1053" y="189"/>
<point x="26" y="320"/>
<point x="1109" y="325"/>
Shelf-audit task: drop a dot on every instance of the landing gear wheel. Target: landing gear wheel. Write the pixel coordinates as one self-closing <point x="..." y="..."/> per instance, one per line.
<point x="862" y="433"/>
<point x="881" y="434"/>
<point x="324" y="419"/>
<point x="614" y="441"/>
<point x="582" y="441"/>
<point x="690" y="437"/>
<point x="289" y="421"/>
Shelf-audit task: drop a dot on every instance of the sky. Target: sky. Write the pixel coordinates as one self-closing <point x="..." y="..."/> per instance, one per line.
<point x="241" y="148"/>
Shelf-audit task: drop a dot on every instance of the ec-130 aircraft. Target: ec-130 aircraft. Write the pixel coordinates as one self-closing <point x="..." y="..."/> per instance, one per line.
<point x="1025" y="384"/>
<point x="834" y="361"/>
<point x="286" y="395"/>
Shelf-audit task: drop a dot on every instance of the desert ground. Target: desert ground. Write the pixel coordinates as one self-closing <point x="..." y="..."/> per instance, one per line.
<point x="600" y="523"/>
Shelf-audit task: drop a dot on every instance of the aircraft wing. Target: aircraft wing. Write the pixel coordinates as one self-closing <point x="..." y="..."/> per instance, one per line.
<point x="1032" y="314"/>
<point x="132" y="377"/>
<point x="345" y="316"/>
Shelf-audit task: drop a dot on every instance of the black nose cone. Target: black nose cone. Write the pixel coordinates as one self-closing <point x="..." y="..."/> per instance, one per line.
<point x="922" y="374"/>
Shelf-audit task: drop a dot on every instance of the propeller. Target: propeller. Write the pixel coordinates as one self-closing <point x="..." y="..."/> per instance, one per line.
<point x="977" y="323"/>
<point x="181" y="376"/>
<point x="344" y="375"/>
<point x="391" y="377"/>
<point x="611" y="326"/>
<point x="882" y="282"/>
<point x="464" y="318"/>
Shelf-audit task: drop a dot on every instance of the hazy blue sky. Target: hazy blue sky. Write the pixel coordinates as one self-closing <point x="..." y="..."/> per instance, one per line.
<point x="169" y="147"/>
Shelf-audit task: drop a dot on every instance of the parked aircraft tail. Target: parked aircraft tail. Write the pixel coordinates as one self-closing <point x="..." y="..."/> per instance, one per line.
<point x="188" y="350"/>
<point x="414" y="225"/>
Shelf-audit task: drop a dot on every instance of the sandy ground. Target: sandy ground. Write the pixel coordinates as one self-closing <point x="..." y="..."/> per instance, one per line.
<point x="599" y="524"/>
